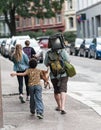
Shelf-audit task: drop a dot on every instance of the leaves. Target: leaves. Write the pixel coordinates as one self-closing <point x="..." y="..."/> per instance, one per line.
<point x="28" y="8"/>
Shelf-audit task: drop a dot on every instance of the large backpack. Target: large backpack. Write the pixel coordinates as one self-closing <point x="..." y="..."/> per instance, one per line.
<point x="56" y="63"/>
<point x="56" y="42"/>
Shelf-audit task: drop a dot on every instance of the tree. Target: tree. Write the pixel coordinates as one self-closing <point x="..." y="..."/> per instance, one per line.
<point x="70" y="36"/>
<point x="28" y="8"/>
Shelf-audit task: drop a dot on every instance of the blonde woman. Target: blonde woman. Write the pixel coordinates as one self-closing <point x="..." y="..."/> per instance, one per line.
<point x="21" y="63"/>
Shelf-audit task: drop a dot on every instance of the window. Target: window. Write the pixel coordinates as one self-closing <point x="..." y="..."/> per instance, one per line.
<point x="45" y="21"/>
<point x="24" y="22"/>
<point x="51" y="21"/>
<point x="70" y="4"/>
<point x="1" y="27"/>
<point x="71" y="25"/>
<point x="29" y="22"/>
<point x="58" y="18"/>
<point x="37" y="21"/>
<point x="17" y="23"/>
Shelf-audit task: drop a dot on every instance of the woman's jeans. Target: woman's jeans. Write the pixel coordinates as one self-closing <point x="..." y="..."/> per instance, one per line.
<point x="20" y="82"/>
<point x="36" y="102"/>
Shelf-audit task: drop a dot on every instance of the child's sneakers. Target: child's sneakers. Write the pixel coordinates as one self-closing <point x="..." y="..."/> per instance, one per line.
<point x="39" y="115"/>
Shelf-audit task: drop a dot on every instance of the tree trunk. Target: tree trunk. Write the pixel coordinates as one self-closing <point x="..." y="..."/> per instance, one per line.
<point x="12" y="24"/>
<point x="11" y="21"/>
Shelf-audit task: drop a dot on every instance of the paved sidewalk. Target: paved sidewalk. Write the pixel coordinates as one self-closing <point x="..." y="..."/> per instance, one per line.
<point x="16" y="116"/>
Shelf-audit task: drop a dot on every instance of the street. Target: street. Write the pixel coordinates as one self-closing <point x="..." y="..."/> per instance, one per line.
<point x="86" y="85"/>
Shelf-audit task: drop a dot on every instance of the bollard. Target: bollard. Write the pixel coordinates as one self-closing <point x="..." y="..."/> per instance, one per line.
<point x="1" y="110"/>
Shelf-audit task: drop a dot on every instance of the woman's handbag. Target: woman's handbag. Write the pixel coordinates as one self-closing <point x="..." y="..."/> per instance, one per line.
<point x="70" y="69"/>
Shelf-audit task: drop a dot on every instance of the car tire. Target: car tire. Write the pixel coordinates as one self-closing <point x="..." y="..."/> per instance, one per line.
<point x="76" y="53"/>
<point x="85" y="54"/>
<point x="95" y="56"/>
<point x="80" y="54"/>
<point x="71" y="53"/>
<point x="89" y="55"/>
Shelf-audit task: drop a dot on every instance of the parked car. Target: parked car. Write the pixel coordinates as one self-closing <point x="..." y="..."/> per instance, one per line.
<point x="84" y="47"/>
<point x="13" y="42"/>
<point x="95" y="49"/>
<point x="1" y="40"/>
<point x="43" y="41"/>
<point x="33" y="43"/>
<point x="5" y="47"/>
<point x="74" y="47"/>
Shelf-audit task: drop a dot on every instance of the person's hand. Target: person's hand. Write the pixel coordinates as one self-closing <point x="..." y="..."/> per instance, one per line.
<point x="46" y="82"/>
<point x="13" y="74"/>
<point x="34" y="56"/>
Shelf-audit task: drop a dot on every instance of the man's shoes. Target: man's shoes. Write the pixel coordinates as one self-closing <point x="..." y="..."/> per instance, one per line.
<point x="63" y="112"/>
<point x="39" y="115"/>
<point x="21" y="99"/>
<point x="57" y="109"/>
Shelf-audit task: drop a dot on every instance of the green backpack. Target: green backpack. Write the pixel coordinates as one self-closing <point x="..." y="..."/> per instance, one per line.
<point x="70" y="69"/>
<point x="56" y="63"/>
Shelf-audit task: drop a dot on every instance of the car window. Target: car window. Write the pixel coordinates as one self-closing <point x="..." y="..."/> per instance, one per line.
<point x="45" y="40"/>
<point x="98" y="40"/>
<point x="33" y="43"/>
<point x="88" y="41"/>
<point x="14" y="43"/>
<point x="78" y="41"/>
<point x="99" y="43"/>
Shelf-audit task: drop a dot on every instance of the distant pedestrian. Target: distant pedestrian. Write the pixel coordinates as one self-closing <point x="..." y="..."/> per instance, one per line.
<point x="21" y="63"/>
<point x="29" y="50"/>
<point x="35" y="88"/>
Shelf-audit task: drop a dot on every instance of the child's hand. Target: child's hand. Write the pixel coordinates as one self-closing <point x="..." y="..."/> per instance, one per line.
<point x="13" y="74"/>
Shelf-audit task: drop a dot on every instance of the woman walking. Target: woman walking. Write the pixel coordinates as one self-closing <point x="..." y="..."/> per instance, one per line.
<point x="21" y="63"/>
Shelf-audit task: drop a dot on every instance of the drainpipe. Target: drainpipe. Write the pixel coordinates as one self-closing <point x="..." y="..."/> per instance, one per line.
<point x="1" y="110"/>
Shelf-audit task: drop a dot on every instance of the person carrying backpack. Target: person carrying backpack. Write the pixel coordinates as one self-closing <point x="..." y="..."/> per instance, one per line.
<point x="29" y="50"/>
<point x="59" y="78"/>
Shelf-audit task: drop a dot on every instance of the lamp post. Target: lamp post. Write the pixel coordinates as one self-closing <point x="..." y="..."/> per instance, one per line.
<point x="1" y="110"/>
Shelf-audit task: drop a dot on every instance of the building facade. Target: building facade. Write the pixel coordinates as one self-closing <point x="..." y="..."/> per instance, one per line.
<point x="35" y="24"/>
<point x="88" y="17"/>
<point x="70" y="15"/>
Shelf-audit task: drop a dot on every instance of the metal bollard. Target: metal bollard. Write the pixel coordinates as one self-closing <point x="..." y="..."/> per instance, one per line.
<point x="1" y="110"/>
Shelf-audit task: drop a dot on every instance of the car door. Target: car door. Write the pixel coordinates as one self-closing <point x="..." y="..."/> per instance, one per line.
<point x="93" y="49"/>
<point x="72" y="46"/>
<point x="82" y="47"/>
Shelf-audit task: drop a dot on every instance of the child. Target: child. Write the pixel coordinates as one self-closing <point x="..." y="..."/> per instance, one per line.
<point x="35" y="88"/>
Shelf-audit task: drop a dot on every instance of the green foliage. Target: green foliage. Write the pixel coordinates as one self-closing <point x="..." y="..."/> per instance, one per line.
<point x="57" y="5"/>
<point x="37" y="34"/>
<point x="69" y="36"/>
<point x="24" y="8"/>
<point x="50" y="32"/>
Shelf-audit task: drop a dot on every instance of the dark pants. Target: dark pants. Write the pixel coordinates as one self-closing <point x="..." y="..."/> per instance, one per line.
<point x="20" y="82"/>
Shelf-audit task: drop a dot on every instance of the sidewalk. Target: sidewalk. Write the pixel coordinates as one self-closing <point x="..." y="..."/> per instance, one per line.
<point x="17" y="116"/>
